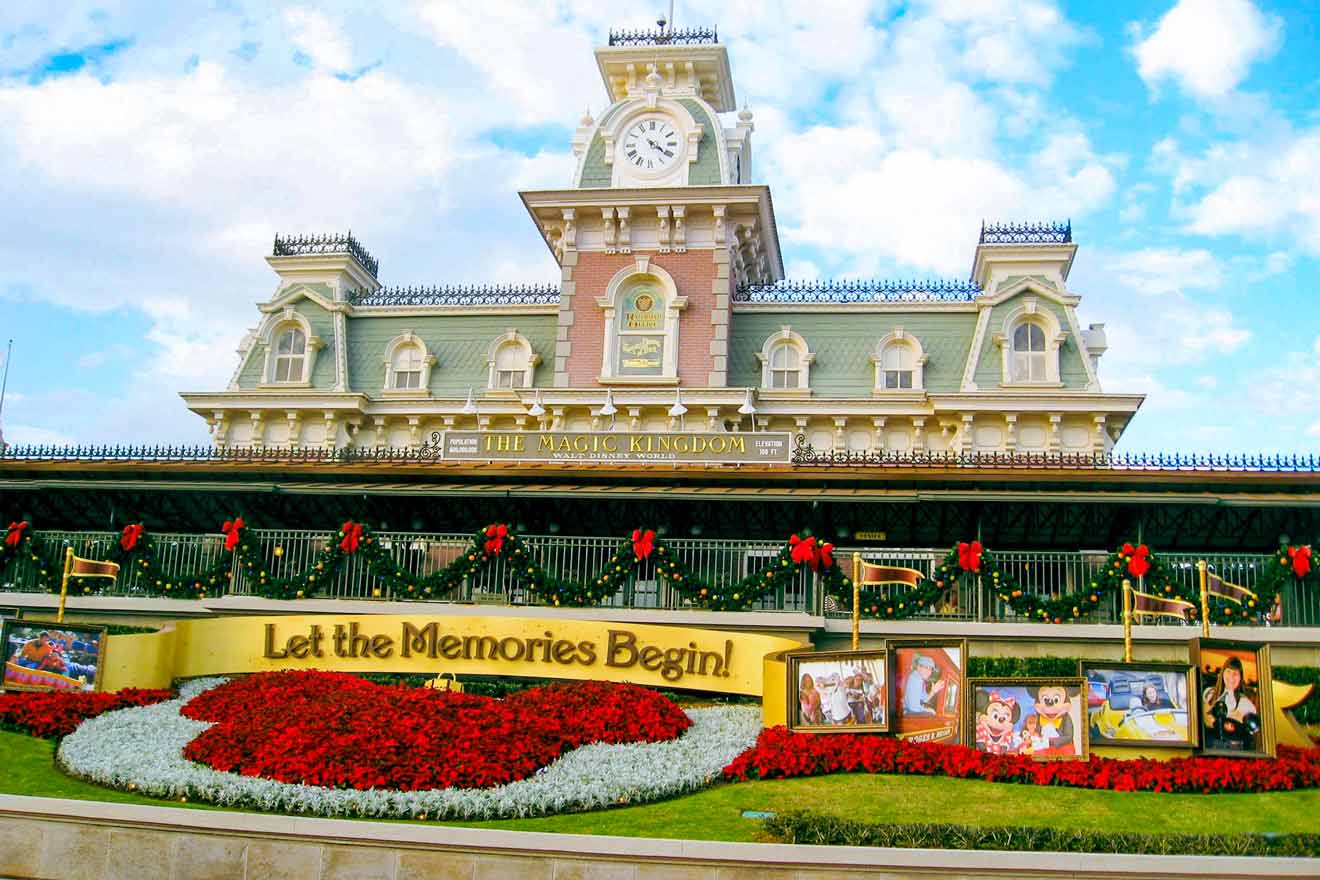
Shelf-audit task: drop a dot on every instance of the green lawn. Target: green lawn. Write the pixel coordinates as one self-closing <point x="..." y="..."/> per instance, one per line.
<point x="716" y="814"/>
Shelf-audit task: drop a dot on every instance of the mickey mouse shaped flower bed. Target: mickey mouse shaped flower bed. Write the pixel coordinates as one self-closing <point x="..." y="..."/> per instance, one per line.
<point x="337" y="730"/>
<point x="330" y="744"/>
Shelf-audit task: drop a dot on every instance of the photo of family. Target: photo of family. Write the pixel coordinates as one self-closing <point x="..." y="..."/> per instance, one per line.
<point x="845" y="692"/>
<point x="1140" y="704"/>
<point x="51" y="657"/>
<point x="1041" y="718"/>
<point x="1234" y="688"/>
<point x="928" y="681"/>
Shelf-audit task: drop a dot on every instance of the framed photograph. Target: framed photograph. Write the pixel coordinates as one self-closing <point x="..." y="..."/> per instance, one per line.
<point x="838" y="691"/>
<point x="1235" y="699"/>
<point x="1038" y="717"/>
<point x="929" y="677"/>
<point x="43" y="656"/>
<point x="1140" y="704"/>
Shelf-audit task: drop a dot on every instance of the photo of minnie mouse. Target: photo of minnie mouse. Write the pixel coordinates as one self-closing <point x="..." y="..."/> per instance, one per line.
<point x="1039" y="718"/>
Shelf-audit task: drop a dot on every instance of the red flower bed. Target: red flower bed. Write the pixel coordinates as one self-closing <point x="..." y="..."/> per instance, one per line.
<point x="332" y="729"/>
<point x="59" y="714"/>
<point x="779" y="753"/>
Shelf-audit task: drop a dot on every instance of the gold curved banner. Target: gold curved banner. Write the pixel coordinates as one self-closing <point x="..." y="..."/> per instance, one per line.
<point x="661" y="656"/>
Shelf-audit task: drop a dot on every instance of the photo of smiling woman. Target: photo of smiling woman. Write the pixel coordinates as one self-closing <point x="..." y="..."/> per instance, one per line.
<point x="838" y="692"/>
<point x="1236" y="713"/>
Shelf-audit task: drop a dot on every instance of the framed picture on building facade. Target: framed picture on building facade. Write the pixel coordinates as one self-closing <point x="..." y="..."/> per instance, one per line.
<point x="1234" y="697"/>
<point x="52" y="656"/>
<point x="838" y="691"/>
<point x="929" y="678"/>
<point x="1140" y="704"/>
<point x="1038" y="717"/>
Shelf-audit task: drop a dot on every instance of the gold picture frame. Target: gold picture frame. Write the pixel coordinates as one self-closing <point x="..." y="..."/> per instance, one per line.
<point x="1007" y="731"/>
<point x="943" y="719"/>
<point x="50" y="676"/>
<point x="1130" y="709"/>
<point x="848" y="696"/>
<point x="1229" y="731"/>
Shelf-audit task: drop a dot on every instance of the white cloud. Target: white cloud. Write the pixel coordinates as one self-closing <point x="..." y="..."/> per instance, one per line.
<point x="1206" y="46"/>
<point x="1167" y="270"/>
<point x="25" y="435"/>
<point x="320" y="39"/>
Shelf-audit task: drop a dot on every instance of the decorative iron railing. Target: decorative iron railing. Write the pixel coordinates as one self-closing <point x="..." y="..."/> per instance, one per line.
<point x="299" y="245"/>
<point x="459" y="295"/>
<point x="1026" y="233"/>
<point x="692" y="36"/>
<point x="1047" y="573"/>
<point x="803" y="455"/>
<point x="830" y="291"/>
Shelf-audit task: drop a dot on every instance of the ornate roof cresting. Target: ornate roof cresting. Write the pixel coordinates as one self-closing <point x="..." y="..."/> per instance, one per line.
<point x="1026" y="233"/>
<point x="693" y="36"/>
<point x="858" y="291"/>
<point x="459" y="295"/>
<point x="298" y="245"/>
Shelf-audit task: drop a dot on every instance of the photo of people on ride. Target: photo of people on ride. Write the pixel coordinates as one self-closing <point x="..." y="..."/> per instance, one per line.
<point x="845" y="692"/>
<point x="1236" y="714"/>
<point x="1140" y="704"/>
<point x="928" y="682"/>
<point x="1041" y="718"/>
<point x="51" y="656"/>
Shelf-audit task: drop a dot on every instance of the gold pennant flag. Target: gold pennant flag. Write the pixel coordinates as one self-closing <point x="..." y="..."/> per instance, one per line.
<point x="1232" y="592"/>
<point x="80" y="567"/>
<point x="878" y="575"/>
<point x="1157" y="606"/>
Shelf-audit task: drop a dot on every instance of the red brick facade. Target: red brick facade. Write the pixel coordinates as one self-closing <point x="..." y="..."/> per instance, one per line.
<point x="693" y="272"/>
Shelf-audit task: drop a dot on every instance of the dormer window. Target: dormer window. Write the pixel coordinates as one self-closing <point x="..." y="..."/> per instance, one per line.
<point x="1029" y="360"/>
<point x="899" y="362"/>
<point x="290" y="351"/>
<point x="786" y="362"/>
<point x="511" y="362"/>
<point x="408" y="366"/>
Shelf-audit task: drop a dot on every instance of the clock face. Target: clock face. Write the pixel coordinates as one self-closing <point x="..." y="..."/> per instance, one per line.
<point x="651" y="144"/>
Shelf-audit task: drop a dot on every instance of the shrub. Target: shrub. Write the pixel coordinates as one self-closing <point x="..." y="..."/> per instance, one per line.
<point x="53" y="715"/>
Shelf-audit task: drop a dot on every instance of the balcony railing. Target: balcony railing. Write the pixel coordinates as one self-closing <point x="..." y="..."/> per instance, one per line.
<point x="1046" y="573"/>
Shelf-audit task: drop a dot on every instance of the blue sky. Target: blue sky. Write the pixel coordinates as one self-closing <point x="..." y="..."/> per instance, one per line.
<point x="148" y="157"/>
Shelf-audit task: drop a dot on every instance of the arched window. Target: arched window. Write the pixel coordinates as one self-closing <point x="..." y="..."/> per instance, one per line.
<point x="511" y="362"/>
<point x="786" y="362"/>
<point x="899" y="362"/>
<point x="290" y="352"/>
<point x="408" y="366"/>
<point x="640" y="309"/>
<point x="1029" y="359"/>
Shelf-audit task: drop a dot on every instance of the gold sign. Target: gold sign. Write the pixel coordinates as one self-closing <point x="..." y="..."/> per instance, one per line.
<point x="641" y="355"/>
<point x="665" y="656"/>
<point x="641" y="311"/>
<point x="732" y="447"/>
<point x="871" y="536"/>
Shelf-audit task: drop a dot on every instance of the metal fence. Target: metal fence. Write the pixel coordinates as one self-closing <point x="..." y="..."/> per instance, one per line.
<point x="1045" y="573"/>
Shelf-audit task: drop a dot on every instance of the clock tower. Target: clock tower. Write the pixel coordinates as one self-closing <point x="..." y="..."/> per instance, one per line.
<point x="660" y="226"/>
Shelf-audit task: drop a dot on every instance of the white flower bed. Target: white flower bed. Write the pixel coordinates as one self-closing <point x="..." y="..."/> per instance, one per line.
<point x="142" y="749"/>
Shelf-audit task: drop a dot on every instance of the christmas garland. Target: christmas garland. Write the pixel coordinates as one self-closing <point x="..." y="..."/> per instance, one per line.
<point x="1291" y="566"/>
<point x="136" y="548"/>
<point x="498" y="541"/>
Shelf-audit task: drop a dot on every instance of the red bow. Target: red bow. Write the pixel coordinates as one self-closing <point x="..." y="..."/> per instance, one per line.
<point x="1138" y="559"/>
<point x="803" y="549"/>
<point x="132" y="534"/>
<point x="826" y="555"/>
<point x="232" y="530"/>
<point x="495" y="536"/>
<point x="352" y="537"/>
<point x="643" y="543"/>
<point x="1301" y="560"/>
<point x="15" y="534"/>
<point x="969" y="556"/>
<point x="1007" y="699"/>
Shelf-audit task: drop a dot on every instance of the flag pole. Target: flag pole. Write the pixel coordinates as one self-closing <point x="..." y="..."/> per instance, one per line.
<point x="64" y="582"/>
<point x="1127" y="620"/>
<point x="4" y="384"/>
<point x="1203" y="568"/>
<point x="857" y="601"/>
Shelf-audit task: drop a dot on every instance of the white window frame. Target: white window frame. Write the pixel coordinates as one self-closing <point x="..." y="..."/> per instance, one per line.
<point x="511" y="338"/>
<point x="899" y="337"/>
<point x="409" y="339"/>
<point x="290" y="319"/>
<point x="1030" y="312"/>
<point x="786" y="337"/>
<point x="641" y="271"/>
